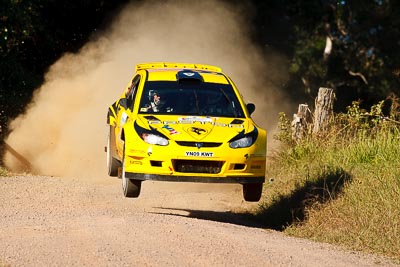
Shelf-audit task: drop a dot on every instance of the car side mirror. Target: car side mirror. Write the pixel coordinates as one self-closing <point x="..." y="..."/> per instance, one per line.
<point x="250" y="108"/>
<point x="124" y="103"/>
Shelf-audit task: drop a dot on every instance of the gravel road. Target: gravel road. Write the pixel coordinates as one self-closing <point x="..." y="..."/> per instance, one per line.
<point x="52" y="221"/>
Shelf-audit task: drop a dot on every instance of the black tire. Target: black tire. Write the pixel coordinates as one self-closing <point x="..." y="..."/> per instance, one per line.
<point x="130" y="187"/>
<point x="252" y="192"/>
<point x="112" y="163"/>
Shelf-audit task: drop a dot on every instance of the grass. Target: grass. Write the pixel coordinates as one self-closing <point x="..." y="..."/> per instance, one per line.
<point x="3" y="171"/>
<point x="342" y="187"/>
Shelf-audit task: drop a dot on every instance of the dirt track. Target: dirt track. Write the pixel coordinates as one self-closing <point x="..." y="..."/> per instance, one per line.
<point x="49" y="221"/>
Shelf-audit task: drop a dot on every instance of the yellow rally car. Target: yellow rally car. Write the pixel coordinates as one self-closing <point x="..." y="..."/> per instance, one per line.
<point x="184" y="123"/>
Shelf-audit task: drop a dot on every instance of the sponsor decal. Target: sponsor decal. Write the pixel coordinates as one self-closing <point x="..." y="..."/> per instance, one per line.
<point x="191" y="120"/>
<point x="170" y="129"/>
<point x="135" y="162"/>
<point x="199" y="154"/>
<point x="198" y="131"/>
<point x="135" y="151"/>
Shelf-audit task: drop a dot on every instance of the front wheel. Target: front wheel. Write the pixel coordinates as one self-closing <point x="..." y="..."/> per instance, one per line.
<point x="252" y="192"/>
<point x="130" y="187"/>
<point x="112" y="163"/>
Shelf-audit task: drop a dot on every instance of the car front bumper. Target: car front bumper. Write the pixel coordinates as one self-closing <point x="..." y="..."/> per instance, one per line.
<point x="194" y="179"/>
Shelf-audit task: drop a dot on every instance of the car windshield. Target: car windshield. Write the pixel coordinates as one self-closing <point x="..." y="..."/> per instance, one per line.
<point x="190" y="98"/>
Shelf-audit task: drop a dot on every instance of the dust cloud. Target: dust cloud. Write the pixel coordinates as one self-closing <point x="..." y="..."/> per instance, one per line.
<point x="63" y="131"/>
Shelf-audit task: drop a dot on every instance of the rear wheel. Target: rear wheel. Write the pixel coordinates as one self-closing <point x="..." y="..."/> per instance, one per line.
<point x="112" y="163"/>
<point x="252" y="192"/>
<point x="130" y="187"/>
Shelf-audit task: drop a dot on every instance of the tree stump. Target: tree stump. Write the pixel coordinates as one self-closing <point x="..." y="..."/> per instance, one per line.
<point x="300" y="122"/>
<point x="323" y="109"/>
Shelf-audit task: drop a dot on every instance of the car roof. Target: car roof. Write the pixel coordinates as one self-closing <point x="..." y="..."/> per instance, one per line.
<point x="167" y="71"/>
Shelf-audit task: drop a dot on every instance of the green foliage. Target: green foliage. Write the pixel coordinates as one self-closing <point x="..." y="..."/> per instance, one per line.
<point x="364" y="53"/>
<point x="363" y="63"/>
<point x="16" y="25"/>
<point x="341" y="186"/>
<point x="284" y="135"/>
<point x="3" y="171"/>
<point x="307" y="60"/>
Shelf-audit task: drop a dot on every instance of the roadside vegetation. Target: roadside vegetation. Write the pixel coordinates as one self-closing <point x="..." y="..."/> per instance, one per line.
<point x="341" y="186"/>
<point x="3" y="172"/>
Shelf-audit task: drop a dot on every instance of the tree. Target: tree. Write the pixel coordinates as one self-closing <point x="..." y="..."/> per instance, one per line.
<point x="349" y="45"/>
<point x="364" y="36"/>
<point x="33" y="35"/>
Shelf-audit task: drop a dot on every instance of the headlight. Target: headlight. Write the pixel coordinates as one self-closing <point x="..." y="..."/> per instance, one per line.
<point x="242" y="142"/>
<point x="151" y="136"/>
<point x="154" y="139"/>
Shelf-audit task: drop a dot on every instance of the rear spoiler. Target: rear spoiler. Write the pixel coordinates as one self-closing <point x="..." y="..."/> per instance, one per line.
<point x="172" y="65"/>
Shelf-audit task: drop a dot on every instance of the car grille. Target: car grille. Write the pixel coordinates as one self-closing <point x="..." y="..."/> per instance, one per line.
<point x="198" y="144"/>
<point x="197" y="166"/>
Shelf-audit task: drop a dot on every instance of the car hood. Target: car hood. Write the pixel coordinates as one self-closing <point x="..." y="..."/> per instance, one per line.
<point x="196" y="128"/>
